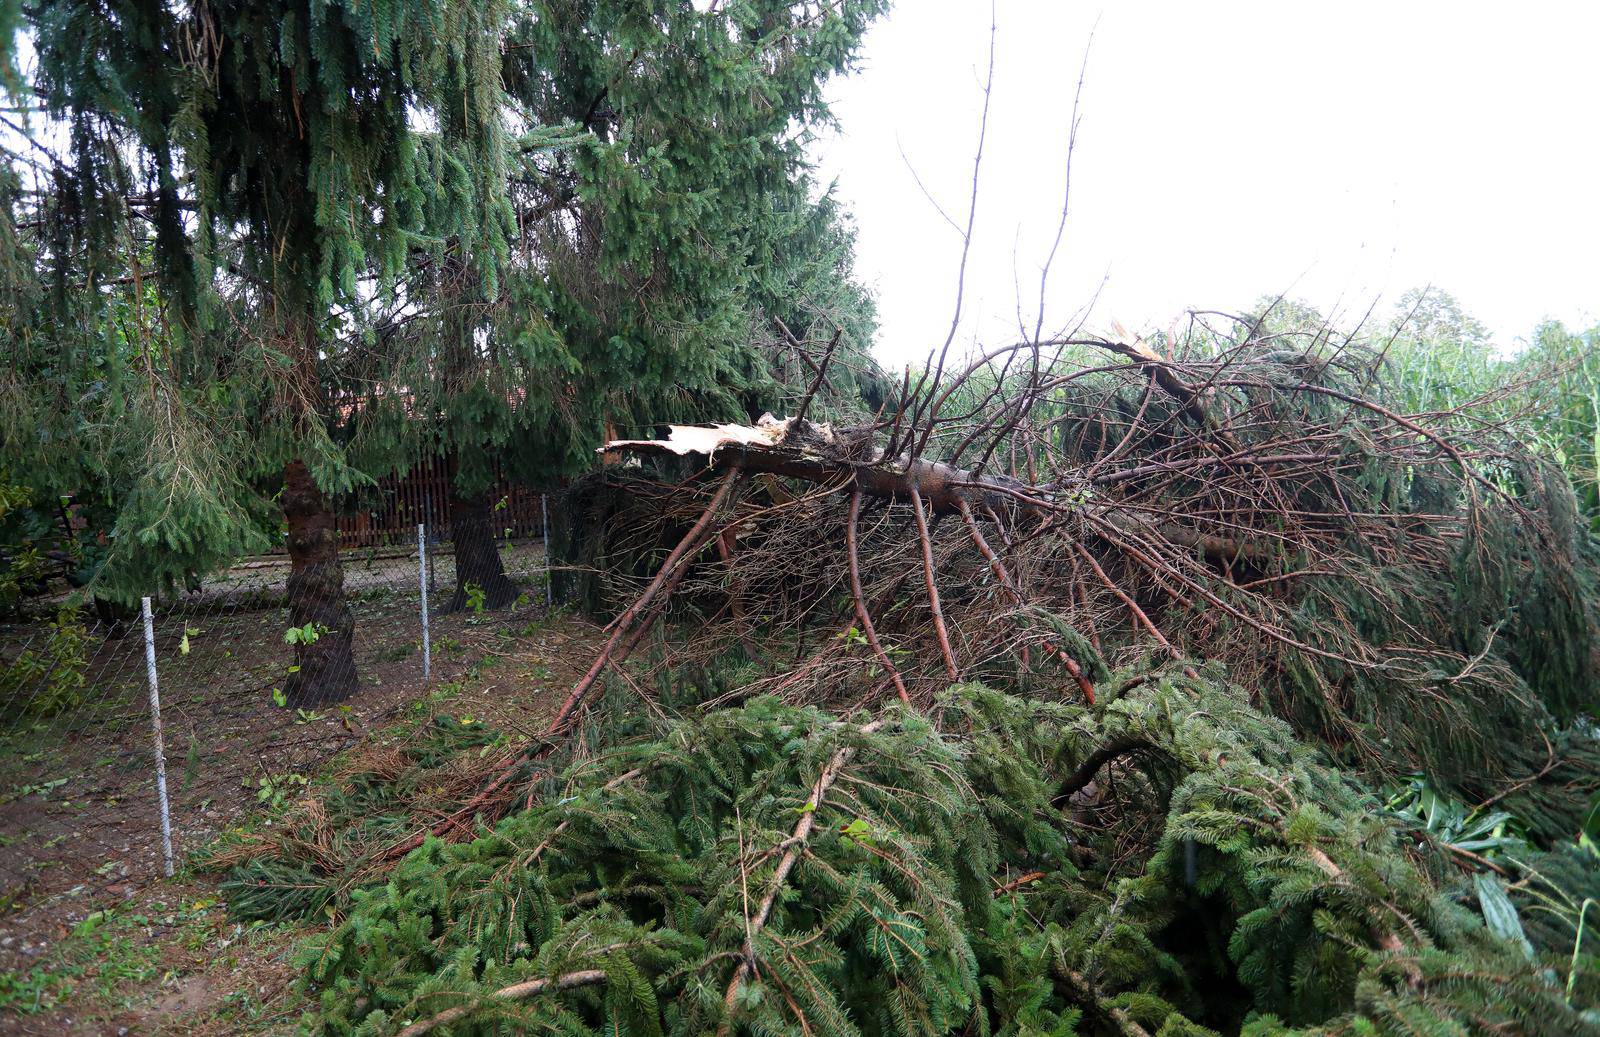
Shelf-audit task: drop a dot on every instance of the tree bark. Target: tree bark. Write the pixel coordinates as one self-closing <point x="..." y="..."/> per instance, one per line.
<point x="822" y="455"/>
<point x="804" y="450"/>
<point x="477" y="555"/>
<point x="326" y="668"/>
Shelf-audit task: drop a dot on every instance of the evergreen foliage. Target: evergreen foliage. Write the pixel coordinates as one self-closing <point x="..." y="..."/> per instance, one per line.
<point x="1212" y="875"/>
<point x="664" y="217"/>
<point x="1429" y="616"/>
<point x="484" y="230"/>
<point x="234" y="185"/>
<point x="286" y="247"/>
<point x="25" y="534"/>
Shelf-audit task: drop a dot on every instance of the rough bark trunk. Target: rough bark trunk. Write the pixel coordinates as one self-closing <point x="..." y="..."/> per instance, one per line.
<point x="845" y="457"/>
<point x="477" y="556"/>
<point x="326" y="667"/>
<point x="113" y="617"/>
<point x="817" y="453"/>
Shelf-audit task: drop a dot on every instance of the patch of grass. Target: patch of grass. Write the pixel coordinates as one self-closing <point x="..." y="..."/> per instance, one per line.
<point x="34" y="991"/>
<point x="100" y="962"/>
<point x="120" y="958"/>
<point x="123" y="959"/>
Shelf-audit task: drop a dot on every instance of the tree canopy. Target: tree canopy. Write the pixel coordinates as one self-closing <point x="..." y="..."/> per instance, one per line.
<point x="265" y="254"/>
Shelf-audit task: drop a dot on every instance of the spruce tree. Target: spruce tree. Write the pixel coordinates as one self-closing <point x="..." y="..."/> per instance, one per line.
<point x="280" y="152"/>
<point x="665" y="224"/>
<point x="1169" y="860"/>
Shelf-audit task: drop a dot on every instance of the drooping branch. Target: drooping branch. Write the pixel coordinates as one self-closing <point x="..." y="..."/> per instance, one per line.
<point x="1085" y="991"/>
<point x="1015" y="590"/>
<point x="1133" y="606"/>
<point x="1079" y="779"/>
<point x="1161" y="373"/>
<point x="727" y="544"/>
<point x="932" y="584"/>
<point x="665" y="580"/>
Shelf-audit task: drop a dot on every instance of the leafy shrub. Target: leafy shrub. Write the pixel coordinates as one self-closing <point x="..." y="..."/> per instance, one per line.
<point x="47" y="678"/>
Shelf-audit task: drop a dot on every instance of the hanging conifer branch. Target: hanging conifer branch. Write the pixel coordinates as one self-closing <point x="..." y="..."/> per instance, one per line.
<point x="629" y="627"/>
<point x="931" y="584"/>
<point x="1015" y="591"/>
<point x="858" y="599"/>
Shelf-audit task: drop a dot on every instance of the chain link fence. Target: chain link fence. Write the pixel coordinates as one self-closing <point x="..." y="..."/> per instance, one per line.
<point x="97" y="781"/>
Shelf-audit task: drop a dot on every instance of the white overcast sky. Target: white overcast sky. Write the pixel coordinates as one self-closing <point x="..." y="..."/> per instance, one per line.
<point x="1338" y="152"/>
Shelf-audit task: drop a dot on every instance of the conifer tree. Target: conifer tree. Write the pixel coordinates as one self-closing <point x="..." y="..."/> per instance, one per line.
<point x="279" y="152"/>
<point x="1169" y="860"/>
<point x="664" y="218"/>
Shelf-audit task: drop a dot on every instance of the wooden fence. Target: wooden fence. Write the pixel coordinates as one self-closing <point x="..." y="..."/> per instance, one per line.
<point x="388" y="514"/>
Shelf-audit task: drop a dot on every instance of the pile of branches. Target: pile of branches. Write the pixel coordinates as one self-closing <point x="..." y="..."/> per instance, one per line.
<point x="331" y="843"/>
<point x="1413" y="591"/>
<point x="1168" y="860"/>
<point x="1059" y="692"/>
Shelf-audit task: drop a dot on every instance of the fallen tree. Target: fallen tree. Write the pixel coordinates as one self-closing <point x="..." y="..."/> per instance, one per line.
<point x="772" y="868"/>
<point x="1051" y="699"/>
<point x="1410" y="590"/>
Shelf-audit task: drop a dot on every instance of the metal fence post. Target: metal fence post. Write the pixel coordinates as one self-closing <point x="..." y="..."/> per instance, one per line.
<point x="544" y="531"/>
<point x="155" y="724"/>
<point x="422" y="579"/>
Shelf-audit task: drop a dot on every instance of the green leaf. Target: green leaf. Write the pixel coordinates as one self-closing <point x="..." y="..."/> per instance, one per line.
<point x="91" y="922"/>
<point x="1499" y="913"/>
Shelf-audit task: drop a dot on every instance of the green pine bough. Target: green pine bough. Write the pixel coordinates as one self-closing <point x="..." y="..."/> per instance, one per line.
<point x="777" y="869"/>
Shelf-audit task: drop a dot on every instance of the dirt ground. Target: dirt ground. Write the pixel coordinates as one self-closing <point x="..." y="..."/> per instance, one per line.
<point x="92" y="939"/>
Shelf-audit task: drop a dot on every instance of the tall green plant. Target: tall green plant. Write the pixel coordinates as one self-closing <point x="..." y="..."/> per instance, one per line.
<point x="278" y="155"/>
<point x="665" y="226"/>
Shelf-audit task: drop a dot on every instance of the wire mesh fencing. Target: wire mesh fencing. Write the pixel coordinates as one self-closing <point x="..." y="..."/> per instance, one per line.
<point x="210" y="676"/>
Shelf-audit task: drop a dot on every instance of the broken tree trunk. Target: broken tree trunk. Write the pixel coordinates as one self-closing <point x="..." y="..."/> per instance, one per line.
<point x="802" y="449"/>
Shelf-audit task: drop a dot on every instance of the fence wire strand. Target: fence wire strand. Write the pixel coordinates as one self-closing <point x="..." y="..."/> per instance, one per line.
<point x="79" y="814"/>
